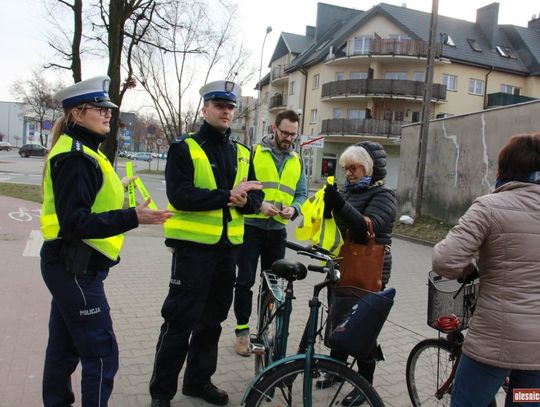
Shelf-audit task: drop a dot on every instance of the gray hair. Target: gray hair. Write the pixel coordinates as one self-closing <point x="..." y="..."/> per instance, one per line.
<point x="357" y="155"/>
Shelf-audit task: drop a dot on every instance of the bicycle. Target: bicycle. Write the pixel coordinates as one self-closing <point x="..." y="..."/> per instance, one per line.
<point x="290" y="380"/>
<point x="432" y="363"/>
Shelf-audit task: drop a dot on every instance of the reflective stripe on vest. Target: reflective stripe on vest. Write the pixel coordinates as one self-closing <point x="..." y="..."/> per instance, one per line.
<point x="278" y="190"/>
<point x="109" y="197"/>
<point x="207" y="226"/>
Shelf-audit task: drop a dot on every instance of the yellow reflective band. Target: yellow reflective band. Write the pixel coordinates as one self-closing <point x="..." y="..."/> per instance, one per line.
<point x="131" y="185"/>
<point x="145" y="194"/>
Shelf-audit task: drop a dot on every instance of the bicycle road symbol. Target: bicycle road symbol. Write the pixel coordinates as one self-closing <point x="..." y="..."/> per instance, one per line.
<point x="24" y="214"/>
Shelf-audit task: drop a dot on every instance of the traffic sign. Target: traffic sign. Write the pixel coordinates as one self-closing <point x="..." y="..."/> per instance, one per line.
<point x="159" y="141"/>
<point x="47" y="125"/>
<point x="151" y="129"/>
<point x="312" y="141"/>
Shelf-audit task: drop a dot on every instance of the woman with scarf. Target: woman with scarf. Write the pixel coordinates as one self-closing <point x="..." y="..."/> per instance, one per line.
<point x="365" y="195"/>
<point x="502" y="229"/>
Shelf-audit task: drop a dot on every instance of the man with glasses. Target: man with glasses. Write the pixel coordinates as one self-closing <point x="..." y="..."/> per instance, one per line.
<point x="208" y="195"/>
<point x="281" y="172"/>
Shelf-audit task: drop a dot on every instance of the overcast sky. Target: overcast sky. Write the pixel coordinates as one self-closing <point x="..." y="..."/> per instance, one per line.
<point x="23" y="25"/>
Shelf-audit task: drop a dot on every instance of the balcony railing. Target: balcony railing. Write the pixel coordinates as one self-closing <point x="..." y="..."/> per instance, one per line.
<point x="388" y="128"/>
<point x="384" y="46"/>
<point x="278" y="72"/>
<point x="505" y="99"/>
<point x="386" y="87"/>
<point x="277" y="101"/>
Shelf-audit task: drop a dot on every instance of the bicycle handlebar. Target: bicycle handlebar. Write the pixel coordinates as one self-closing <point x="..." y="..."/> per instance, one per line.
<point x="317" y="253"/>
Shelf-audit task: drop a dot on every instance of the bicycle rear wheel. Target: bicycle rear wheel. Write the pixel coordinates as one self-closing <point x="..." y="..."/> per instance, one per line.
<point x="284" y="387"/>
<point x="430" y="366"/>
<point x="268" y="336"/>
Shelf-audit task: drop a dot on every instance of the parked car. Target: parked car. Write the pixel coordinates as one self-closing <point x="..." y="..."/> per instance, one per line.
<point x="4" y="145"/>
<point x="28" y="150"/>
<point x="142" y="157"/>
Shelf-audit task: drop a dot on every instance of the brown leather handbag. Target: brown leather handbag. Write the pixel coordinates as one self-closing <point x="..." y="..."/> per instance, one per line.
<point x="362" y="265"/>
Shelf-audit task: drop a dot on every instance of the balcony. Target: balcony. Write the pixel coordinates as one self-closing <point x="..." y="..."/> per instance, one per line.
<point x="392" y="88"/>
<point x="278" y="75"/>
<point x="277" y="102"/>
<point x="385" y="47"/>
<point x="505" y="99"/>
<point x="385" y="128"/>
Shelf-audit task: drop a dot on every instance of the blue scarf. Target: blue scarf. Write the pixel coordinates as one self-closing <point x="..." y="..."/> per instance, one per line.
<point x="533" y="178"/>
<point x="362" y="183"/>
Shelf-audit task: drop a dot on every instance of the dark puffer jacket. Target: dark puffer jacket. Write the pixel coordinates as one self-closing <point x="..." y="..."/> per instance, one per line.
<point x="376" y="202"/>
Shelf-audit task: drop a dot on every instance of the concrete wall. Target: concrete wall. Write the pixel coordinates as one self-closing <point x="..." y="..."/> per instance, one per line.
<point x="461" y="159"/>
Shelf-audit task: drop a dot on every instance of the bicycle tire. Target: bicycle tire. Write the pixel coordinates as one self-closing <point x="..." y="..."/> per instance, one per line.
<point x="429" y="365"/>
<point x="269" y="335"/>
<point x="284" y="386"/>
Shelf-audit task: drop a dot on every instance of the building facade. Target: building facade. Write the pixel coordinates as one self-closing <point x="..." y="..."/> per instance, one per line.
<point x="361" y="74"/>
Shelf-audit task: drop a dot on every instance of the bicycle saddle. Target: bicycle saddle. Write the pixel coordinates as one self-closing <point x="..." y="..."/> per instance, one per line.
<point x="289" y="270"/>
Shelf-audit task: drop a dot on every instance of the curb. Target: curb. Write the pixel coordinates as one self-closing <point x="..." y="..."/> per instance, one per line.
<point x="413" y="239"/>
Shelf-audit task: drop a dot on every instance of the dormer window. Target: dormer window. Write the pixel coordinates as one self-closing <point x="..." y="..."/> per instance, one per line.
<point x="506" y="52"/>
<point x="447" y="40"/>
<point x="474" y="45"/>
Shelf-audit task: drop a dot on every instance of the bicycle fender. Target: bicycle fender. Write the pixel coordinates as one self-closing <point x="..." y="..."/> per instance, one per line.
<point x="279" y="363"/>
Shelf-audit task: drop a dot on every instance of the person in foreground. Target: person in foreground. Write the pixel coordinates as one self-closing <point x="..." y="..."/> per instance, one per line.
<point x="365" y="195"/>
<point x="82" y="223"/>
<point x="281" y="172"/>
<point x="208" y="194"/>
<point x="503" y="230"/>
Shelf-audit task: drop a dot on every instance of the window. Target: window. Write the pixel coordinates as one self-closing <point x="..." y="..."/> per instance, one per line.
<point x="291" y="88"/>
<point x="419" y="76"/>
<point x="316" y="81"/>
<point x="502" y="51"/>
<point x="356" y="114"/>
<point x="362" y="44"/>
<point x="313" y="116"/>
<point x="358" y="75"/>
<point x="337" y="113"/>
<point x="476" y="87"/>
<point x="474" y="44"/>
<point x="450" y="81"/>
<point x="340" y="76"/>
<point x="395" y="75"/>
<point x="513" y="90"/>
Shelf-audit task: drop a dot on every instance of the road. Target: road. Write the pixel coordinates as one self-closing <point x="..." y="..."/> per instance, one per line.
<point x="16" y="169"/>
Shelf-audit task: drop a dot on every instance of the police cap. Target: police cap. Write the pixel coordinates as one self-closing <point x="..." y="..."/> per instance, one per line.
<point x="221" y="92"/>
<point x="94" y="91"/>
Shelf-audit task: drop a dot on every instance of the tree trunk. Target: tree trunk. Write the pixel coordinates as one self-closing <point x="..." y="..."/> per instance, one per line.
<point x="76" y="45"/>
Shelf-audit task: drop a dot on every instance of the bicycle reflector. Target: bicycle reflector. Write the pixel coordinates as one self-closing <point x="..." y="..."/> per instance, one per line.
<point x="447" y="323"/>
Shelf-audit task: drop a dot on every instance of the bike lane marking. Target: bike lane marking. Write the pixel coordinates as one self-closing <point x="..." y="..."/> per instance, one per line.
<point x="33" y="244"/>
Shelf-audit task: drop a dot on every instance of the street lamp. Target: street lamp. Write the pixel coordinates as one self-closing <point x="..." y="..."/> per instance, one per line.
<point x="258" y="105"/>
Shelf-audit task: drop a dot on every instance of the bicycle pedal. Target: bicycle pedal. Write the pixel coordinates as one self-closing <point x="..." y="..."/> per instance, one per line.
<point x="256" y="349"/>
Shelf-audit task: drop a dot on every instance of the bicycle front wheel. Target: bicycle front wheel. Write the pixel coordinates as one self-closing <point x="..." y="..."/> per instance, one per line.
<point x="284" y="387"/>
<point x="430" y="372"/>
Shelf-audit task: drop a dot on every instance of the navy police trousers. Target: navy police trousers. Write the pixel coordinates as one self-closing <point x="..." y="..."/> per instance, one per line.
<point x="80" y="329"/>
<point x="200" y="295"/>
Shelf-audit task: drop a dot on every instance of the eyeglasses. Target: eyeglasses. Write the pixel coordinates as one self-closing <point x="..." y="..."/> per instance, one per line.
<point x="351" y="168"/>
<point x="287" y="134"/>
<point x="103" y="111"/>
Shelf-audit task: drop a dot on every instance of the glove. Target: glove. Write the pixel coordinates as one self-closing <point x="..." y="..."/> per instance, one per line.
<point x="332" y="200"/>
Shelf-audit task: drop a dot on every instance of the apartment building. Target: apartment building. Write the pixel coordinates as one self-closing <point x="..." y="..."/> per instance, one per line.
<point x="361" y="74"/>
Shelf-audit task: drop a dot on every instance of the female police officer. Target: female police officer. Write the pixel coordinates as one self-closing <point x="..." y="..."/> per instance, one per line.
<point x="83" y="223"/>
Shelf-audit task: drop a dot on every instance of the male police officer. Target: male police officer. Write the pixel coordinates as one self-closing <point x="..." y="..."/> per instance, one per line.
<point x="280" y="170"/>
<point x="208" y="194"/>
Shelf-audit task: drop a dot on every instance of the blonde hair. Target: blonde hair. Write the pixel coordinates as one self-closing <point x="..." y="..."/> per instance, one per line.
<point x="357" y="155"/>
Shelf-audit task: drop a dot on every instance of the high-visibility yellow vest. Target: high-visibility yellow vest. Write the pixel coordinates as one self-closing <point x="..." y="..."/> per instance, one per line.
<point x="207" y="226"/>
<point x="315" y="227"/>
<point x="278" y="189"/>
<point x="109" y="197"/>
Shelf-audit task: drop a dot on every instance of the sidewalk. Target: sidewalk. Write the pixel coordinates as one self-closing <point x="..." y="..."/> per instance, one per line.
<point x="136" y="289"/>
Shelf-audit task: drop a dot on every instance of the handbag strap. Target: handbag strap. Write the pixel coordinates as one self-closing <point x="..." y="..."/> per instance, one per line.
<point x="370" y="232"/>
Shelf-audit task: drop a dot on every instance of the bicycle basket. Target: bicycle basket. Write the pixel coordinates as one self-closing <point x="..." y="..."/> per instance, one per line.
<point x="441" y="301"/>
<point x="355" y="319"/>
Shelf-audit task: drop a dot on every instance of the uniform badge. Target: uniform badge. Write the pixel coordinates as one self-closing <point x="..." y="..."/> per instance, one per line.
<point x="229" y="86"/>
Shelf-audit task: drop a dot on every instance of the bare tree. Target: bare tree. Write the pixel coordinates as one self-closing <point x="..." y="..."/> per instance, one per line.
<point x="38" y="95"/>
